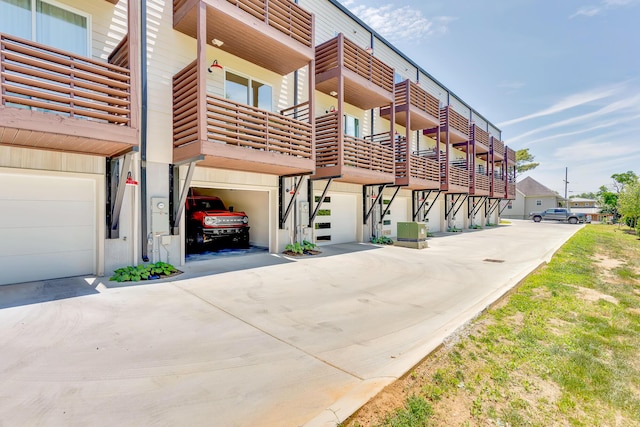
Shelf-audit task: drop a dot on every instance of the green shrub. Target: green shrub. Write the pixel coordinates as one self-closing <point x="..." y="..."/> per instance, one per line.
<point x="382" y="240"/>
<point x="135" y="273"/>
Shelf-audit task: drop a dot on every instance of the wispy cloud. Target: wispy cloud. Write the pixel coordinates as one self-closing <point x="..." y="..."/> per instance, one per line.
<point x="593" y="10"/>
<point x="568" y="102"/>
<point x="630" y="103"/>
<point x="400" y="23"/>
<point x="599" y="148"/>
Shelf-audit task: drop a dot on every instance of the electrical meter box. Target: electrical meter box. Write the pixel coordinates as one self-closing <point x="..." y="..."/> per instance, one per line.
<point x="160" y="215"/>
<point x="412" y="235"/>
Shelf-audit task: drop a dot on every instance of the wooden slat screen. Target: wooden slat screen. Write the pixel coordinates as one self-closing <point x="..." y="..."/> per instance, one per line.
<point x="458" y="122"/>
<point x="498" y="147"/>
<point x="185" y="105"/>
<point x="511" y="155"/>
<point x="458" y="176"/>
<point x="482" y="182"/>
<point x="33" y="75"/>
<point x="481" y="136"/>
<point x="373" y="153"/>
<point x="120" y="55"/>
<point x="283" y="15"/>
<point x="327" y="140"/>
<point x="249" y="127"/>
<point x="423" y="100"/>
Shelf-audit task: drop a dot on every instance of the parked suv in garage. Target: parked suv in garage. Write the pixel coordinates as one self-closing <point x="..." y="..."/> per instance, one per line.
<point x="210" y="221"/>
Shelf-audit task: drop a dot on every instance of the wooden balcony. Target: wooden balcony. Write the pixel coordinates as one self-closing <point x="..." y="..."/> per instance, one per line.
<point x="454" y="127"/>
<point x="55" y="100"/>
<point x="274" y="34"/>
<point x="499" y="188"/>
<point x="511" y="173"/>
<point x="497" y="148"/>
<point x="349" y="159"/>
<point x="481" y="184"/>
<point x="236" y="136"/>
<point x="416" y="170"/>
<point x="415" y="108"/>
<point x="457" y="179"/>
<point x="367" y="81"/>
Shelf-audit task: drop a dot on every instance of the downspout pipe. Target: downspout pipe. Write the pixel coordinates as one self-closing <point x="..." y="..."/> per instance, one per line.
<point x="143" y="133"/>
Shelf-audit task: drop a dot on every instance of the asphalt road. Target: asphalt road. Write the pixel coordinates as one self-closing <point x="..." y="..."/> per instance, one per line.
<point x="255" y="341"/>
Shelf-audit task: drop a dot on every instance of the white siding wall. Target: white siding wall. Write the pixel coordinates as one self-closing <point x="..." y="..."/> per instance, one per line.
<point x="433" y="88"/>
<point x="459" y="107"/>
<point x="392" y="59"/>
<point x="479" y="121"/>
<point x="330" y="21"/>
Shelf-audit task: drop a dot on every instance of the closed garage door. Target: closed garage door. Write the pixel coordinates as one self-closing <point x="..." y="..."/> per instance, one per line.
<point x="336" y="219"/>
<point x="47" y="227"/>
<point x="397" y="213"/>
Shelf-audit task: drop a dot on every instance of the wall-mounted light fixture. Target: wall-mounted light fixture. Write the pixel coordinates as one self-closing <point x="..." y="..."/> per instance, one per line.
<point x="369" y="50"/>
<point x="214" y="64"/>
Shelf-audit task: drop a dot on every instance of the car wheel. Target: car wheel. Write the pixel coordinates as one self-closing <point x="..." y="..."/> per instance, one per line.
<point x="537" y="219"/>
<point x="573" y="220"/>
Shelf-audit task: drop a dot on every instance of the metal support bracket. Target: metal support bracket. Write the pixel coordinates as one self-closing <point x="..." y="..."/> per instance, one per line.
<point x="281" y="187"/>
<point x="310" y="198"/>
<point x="455" y="207"/>
<point x="115" y="206"/>
<point x="505" y="206"/>
<point x="474" y="204"/>
<point x="491" y="206"/>
<point x="176" y="209"/>
<point x="373" y="205"/>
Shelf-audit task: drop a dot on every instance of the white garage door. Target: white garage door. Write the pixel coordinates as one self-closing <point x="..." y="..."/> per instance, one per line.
<point x="397" y="213"/>
<point x="47" y="227"/>
<point x="336" y="219"/>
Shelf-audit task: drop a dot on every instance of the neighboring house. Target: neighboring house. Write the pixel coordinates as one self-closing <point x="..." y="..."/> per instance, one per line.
<point x="589" y="207"/>
<point x="531" y="196"/>
<point x="296" y="113"/>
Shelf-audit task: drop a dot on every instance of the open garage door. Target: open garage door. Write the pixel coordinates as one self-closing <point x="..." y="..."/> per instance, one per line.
<point x="47" y="227"/>
<point x="336" y="220"/>
<point x="232" y="214"/>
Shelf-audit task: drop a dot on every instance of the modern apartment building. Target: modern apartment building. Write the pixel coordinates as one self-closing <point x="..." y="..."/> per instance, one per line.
<point x="296" y="113"/>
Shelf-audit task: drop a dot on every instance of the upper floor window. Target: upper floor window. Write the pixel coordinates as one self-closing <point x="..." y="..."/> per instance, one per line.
<point x="351" y="126"/>
<point x="538" y="202"/>
<point x="398" y="78"/>
<point x="47" y="23"/>
<point x="245" y="90"/>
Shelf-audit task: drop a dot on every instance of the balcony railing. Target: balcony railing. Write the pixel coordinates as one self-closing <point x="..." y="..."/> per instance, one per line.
<point x="249" y="127"/>
<point x="499" y="186"/>
<point x="38" y="76"/>
<point x="418" y="97"/>
<point x="236" y="124"/>
<point x="355" y="59"/>
<point x="455" y="120"/>
<point x="480" y="136"/>
<point x="283" y="15"/>
<point x="511" y="156"/>
<point x="421" y="165"/>
<point x="373" y="153"/>
<point x="482" y="183"/>
<point x="498" y="148"/>
<point x="458" y="176"/>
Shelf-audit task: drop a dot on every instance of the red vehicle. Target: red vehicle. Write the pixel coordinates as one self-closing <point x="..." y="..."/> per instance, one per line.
<point x="209" y="221"/>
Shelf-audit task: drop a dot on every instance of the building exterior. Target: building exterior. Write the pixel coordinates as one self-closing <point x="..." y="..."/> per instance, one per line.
<point x="296" y="113"/>
<point x="531" y="196"/>
<point x="589" y="207"/>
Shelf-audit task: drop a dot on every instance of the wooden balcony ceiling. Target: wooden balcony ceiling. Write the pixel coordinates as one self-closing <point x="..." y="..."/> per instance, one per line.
<point x="357" y="91"/>
<point x="224" y="156"/>
<point x="53" y="132"/>
<point x="113" y="1"/>
<point x="247" y="37"/>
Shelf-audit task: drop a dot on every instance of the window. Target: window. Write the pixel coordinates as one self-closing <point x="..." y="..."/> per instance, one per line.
<point x="538" y="202"/>
<point x="244" y="90"/>
<point x="351" y="126"/>
<point x="397" y="78"/>
<point x="46" y="23"/>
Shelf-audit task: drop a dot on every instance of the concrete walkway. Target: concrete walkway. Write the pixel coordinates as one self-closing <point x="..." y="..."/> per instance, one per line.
<point x="264" y="341"/>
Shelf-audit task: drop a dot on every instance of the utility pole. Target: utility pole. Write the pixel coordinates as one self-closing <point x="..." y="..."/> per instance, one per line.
<point x="566" y="176"/>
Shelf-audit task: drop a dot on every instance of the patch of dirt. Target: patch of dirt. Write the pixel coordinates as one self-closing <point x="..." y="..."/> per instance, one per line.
<point x="593" y="295"/>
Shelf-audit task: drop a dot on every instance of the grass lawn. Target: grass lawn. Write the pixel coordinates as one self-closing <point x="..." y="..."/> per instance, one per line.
<point x="561" y="350"/>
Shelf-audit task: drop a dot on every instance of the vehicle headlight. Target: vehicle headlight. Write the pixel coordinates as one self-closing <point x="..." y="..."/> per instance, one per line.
<point x="245" y="220"/>
<point x="210" y="220"/>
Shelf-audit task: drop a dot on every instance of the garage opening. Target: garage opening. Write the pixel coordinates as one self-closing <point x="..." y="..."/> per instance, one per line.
<point x="223" y="222"/>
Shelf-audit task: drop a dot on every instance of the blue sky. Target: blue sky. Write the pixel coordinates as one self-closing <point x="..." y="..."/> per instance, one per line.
<point x="561" y="78"/>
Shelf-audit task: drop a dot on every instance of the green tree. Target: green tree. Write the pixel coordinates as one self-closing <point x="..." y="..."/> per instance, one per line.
<point x="589" y="195"/>
<point x="608" y="200"/>
<point x="629" y="203"/>
<point x="524" y="161"/>
<point x="621" y="180"/>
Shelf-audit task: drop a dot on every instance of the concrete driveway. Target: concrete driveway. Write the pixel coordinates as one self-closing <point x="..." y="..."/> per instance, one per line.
<point x="264" y="341"/>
